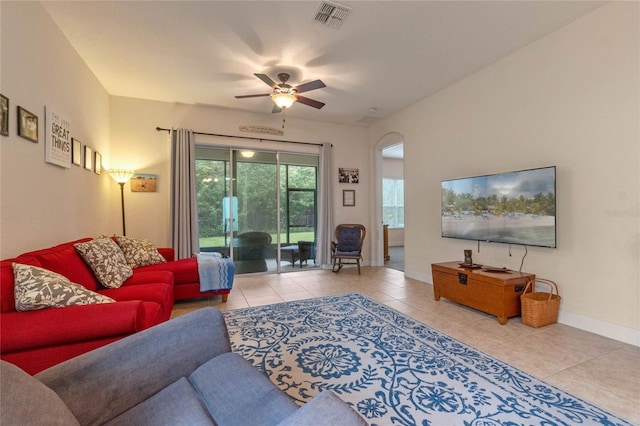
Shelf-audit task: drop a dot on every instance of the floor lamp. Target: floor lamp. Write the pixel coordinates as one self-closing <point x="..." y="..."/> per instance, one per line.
<point x="122" y="177"/>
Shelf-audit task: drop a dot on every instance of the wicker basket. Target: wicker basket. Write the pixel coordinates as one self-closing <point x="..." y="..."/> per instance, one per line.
<point x="540" y="308"/>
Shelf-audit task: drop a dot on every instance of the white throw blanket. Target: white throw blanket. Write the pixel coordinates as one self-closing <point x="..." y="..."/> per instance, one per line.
<point x="216" y="272"/>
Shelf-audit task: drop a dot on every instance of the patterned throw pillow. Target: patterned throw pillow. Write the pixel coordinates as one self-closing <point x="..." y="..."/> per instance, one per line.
<point x="106" y="260"/>
<point x="139" y="252"/>
<point x="37" y="288"/>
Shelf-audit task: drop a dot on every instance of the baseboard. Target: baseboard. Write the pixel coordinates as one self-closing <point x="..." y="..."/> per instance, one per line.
<point x="603" y="328"/>
<point x="426" y="278"/>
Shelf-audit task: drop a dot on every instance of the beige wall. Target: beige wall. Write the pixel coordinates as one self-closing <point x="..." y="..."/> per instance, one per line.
<point x="43" y="204"/>
<point x="570" y="100"/>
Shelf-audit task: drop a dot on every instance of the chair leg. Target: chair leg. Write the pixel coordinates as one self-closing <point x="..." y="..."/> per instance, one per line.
<point x="358" y="261"/>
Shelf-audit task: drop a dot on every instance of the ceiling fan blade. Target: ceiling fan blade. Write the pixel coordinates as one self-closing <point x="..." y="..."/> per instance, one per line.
<point x="310" y="102"/>
<point x="266" y="79"/>
<point x="312" y="85"/>
<point x="252" y="96"/>
<point x="276" y="109"/>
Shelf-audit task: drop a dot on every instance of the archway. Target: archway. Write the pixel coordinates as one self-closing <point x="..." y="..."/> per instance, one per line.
<point x="384" y="142"/>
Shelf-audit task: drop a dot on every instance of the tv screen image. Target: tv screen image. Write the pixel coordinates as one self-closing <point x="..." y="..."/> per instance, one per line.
<point x="515" y="207"/>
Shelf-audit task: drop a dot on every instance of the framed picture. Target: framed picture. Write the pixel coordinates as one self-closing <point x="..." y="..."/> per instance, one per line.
<point x="348" y="175"/>
<point x="4" y="115"/>
<point x="349" y="197"/>
<point x="88" y="153"/>
<point x="76" y="152"/>
<point x="98" y="163"/>
<point x="27" y="125"/>
<point x="57" y="138"/>
<point x="144" y="183"/>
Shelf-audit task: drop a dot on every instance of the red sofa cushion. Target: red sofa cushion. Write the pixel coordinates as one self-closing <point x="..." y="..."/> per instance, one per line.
<point x="20" y="331"/>
<point x="34" y="361"/>
<point x="158" y="292"/>
<point x="65" y="260"/>
<point x="152" y="314"/>
<point x="149" y="277"/>
<point x="7" y="299"/>
<point x="168" y="253"/>
<point x="184" y="270"/>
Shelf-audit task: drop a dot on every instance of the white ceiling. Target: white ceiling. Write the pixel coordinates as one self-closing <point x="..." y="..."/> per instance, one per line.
<point x="386" y="56"/>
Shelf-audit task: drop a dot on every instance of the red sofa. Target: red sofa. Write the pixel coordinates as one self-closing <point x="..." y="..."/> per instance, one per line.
<point x="36" y="340"/>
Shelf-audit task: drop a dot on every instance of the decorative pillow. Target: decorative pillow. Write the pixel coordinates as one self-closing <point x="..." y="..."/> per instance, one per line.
<point x="106" y="260"/>
<point x="38" y="288"/>
<point x="139" y="252"/>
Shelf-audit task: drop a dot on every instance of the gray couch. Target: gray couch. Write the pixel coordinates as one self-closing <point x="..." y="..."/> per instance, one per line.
<point x="181" y="372"/>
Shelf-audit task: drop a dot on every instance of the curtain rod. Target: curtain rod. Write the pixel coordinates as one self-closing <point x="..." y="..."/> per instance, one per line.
<point x="160" y="129"/>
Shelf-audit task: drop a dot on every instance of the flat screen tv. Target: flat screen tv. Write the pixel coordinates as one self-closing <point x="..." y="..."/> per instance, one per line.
<point x="515" y="208"/>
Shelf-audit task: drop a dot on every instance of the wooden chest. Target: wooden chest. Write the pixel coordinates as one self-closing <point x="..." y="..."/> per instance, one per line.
<point x="496" y="293"/>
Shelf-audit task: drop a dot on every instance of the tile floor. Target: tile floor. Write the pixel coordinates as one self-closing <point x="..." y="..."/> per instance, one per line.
<point x="602" y="371"/>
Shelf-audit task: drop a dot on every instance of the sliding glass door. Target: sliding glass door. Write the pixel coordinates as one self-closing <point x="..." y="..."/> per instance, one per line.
<point x="255" y="187"/>
<point x="252" y="204"/>
<point x="213" y="189"/>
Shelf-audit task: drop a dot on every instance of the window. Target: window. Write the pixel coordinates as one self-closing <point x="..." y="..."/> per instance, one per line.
<point x="393" y="202"/>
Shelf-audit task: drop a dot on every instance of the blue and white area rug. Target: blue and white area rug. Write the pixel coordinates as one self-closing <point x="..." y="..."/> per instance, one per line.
<point x="394" y="370"/>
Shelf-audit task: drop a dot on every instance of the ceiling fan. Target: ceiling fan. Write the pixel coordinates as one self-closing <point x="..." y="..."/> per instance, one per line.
<point x="284" y="95"/>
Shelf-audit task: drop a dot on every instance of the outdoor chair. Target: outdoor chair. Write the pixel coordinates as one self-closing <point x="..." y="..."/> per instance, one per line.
<point x="347" y="249"/>
<point x="307" y="251"/>
<point x="303" y="251"/>
<point x="250" y="252"/>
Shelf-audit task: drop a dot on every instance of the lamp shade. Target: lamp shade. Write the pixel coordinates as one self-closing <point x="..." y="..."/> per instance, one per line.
<point x="284" y="100"/>
<point x="121" y="175"/>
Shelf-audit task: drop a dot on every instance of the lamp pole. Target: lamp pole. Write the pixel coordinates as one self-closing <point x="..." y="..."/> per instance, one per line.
<point x="124" y="229"/>
<point x="122" y="177"/>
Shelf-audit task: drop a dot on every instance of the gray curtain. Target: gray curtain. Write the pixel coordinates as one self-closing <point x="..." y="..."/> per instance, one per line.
<point x="325" y="206"/>
<point x="184" y="225"/>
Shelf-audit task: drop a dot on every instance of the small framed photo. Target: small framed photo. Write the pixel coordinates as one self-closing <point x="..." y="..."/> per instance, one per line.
<point x="88" y="157"/>
<point x="141" y="182"/>
<point x="349" y="197"/>
<point x="348" y="175"/>
<point x="27" y="125"/>
<point x="76" y="152"/>
<point x="97" y="163"/>
<point x="4" y="115"/>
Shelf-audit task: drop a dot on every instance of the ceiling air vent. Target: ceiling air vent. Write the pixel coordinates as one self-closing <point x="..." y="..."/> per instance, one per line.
<point x="332" y="14"/>
<point x="369" y="119"/>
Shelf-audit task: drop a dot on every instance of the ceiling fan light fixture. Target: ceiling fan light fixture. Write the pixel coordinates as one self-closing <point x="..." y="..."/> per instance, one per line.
<point x="283" y="100"/>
